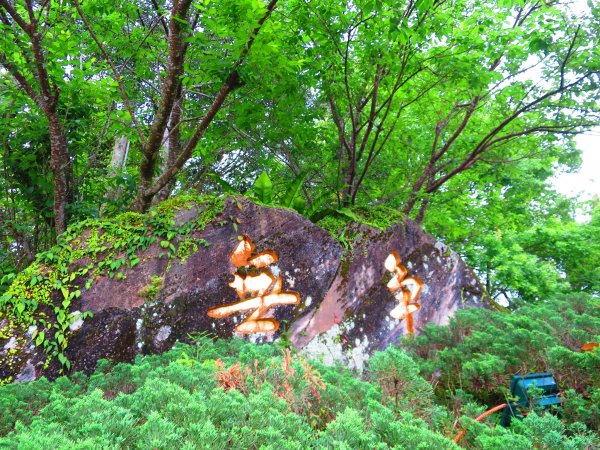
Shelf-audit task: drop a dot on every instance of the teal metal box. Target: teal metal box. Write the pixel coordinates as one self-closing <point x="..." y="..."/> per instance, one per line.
<point x="519" y="387"/>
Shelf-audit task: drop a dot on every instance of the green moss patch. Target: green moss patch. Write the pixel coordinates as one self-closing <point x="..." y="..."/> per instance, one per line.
<point x="43" y="294"/>
<point x="343" y="224"/>
<point x="151" y="291"/>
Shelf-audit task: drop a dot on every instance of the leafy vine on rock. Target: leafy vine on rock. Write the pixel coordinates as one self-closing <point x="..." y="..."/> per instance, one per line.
<point x="41" y="297"/>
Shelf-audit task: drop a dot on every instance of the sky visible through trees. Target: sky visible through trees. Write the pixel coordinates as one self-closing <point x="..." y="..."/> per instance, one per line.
<point x="585" y="183"/>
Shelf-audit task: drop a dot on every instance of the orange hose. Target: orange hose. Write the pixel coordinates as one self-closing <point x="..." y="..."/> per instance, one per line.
<point x="480" y="418"/>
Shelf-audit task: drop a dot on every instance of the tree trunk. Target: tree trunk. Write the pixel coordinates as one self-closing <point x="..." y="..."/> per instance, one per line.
<point x="422" y="209"/>
<point x="148" y="187"/>
<point x="173" y="144"/>
<point x="62" y="170"/>
<point x="119" y="156"/>
<point x="117" y="162"/>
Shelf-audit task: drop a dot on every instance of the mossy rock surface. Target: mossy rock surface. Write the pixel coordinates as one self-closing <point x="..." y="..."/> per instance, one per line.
<point x="136" y="284"/>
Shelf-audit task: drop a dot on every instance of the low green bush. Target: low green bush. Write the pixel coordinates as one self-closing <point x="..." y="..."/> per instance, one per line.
<point x="219" y="394"/>
<point x="215" y="394"/>
<point x="480" y="350"/>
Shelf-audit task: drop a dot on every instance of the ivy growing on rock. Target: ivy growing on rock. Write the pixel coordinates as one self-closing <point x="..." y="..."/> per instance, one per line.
<point x="41" y="301"/>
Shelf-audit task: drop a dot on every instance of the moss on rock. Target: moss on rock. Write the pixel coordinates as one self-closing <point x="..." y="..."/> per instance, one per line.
<point x="43" y="295"/>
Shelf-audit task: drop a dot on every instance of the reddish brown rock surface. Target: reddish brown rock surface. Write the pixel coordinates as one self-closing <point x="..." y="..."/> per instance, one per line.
<point x="353" y="320"/>
<point x="344" y="306"/>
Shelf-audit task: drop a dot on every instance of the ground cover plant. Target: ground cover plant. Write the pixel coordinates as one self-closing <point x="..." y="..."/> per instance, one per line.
<point x="234" y="394"/>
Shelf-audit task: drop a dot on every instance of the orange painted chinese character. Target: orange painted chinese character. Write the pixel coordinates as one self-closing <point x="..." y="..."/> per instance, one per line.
<point x="259" y="290"/>
<point x="406" y="291"/>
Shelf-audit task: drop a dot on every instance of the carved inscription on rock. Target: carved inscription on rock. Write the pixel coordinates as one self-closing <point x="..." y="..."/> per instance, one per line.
<point x="257" y="287"/>
<point x="406" y="291"/>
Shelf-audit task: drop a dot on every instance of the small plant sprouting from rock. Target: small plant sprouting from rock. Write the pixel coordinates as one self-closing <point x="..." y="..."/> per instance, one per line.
<point x="151" y="291"/>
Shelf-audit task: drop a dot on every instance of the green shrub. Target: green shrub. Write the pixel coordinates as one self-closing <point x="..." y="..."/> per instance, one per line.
<point x="545" y="432"/>
<point x="480" y="350"/>
<point x="221" y="394"/>
<point x="236" y="395"/>
<point x="397" y="375"/>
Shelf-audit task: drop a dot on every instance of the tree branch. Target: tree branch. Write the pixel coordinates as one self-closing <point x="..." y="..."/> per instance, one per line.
<point x="116" y="73"/>
<point x="27" y="28"/>
<point x="160" y="16"/>
<point x="22" y="81"/>
<point x="230" y="84"/>
<point x="474" y="156"/>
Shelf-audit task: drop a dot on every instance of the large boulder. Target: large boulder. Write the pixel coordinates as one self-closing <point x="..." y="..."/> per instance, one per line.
<point x="353" y="319"/>
<point x="330" y="301"/>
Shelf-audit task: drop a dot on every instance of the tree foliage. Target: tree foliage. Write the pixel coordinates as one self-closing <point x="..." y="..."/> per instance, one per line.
<point x="456" y="113"/>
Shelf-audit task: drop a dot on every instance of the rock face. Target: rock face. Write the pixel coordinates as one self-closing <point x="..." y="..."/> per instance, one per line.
<point x="343" y="308"/>
<point x="353" y="320"/>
